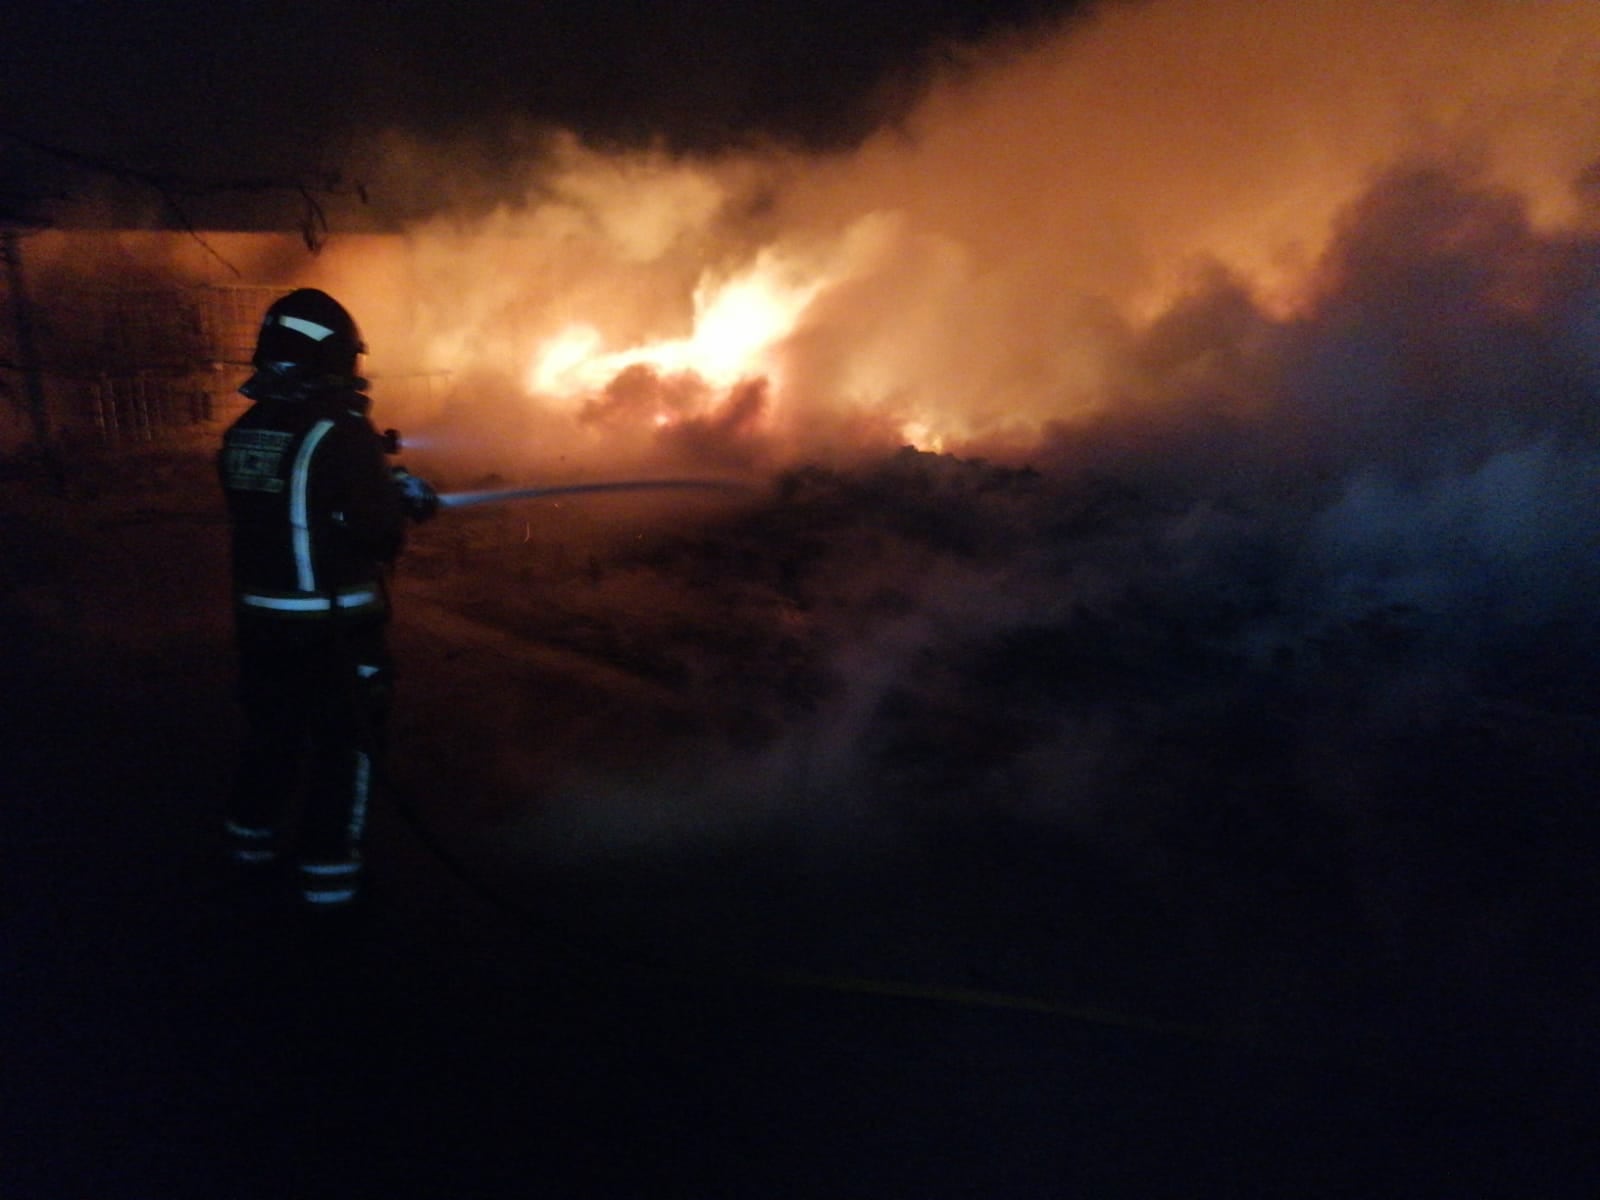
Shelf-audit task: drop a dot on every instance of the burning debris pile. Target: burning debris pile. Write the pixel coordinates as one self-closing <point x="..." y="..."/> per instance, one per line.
<point x="1047" y="244"/>
<point x="1285" y="606"/>
<point x="925" y="655"/>
<point x="934" y="632"/>
<point x="1280" y="552"/>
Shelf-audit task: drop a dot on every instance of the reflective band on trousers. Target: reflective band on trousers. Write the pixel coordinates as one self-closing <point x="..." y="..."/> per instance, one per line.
<point x="365" y="597"/>
<point x="250" y="844"/>
<point x="340" y="897"/>
<point x="351" y="867"/>
<point x="330" y="882"/>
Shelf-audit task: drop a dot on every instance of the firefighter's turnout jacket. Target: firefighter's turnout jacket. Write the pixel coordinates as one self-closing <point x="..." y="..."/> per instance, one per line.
<point x="316" y="520"/>
<point x="315" y="513"/>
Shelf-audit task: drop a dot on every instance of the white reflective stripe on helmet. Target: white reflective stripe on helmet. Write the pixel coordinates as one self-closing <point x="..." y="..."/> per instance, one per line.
<point x="317" y="333"/>
<point x="299" y="489"/>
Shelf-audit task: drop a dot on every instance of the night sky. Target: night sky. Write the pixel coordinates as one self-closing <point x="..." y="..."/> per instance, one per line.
<point x="210" y="93"/>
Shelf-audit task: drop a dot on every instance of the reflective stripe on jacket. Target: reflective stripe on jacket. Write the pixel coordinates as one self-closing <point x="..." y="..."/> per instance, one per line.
<point x="315" y="514"/>
<point x="358" y="599"/>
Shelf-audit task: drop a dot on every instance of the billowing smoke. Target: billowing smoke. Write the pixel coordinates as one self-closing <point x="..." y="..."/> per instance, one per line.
<point x="1046" y="241"/>
<point x="1180" y="435"/>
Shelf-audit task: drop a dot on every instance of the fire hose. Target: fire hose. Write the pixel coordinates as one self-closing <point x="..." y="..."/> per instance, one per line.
<point x="470" y="499"/>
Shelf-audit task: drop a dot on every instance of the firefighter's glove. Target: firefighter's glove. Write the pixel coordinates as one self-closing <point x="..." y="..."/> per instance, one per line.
<point x="417" y="496"/>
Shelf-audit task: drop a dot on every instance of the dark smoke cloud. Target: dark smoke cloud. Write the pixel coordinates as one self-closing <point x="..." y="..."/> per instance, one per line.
<point x="304" y="93"/>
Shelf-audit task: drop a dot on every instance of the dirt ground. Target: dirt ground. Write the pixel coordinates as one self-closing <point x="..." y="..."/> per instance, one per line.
<point x="566" y="984"/>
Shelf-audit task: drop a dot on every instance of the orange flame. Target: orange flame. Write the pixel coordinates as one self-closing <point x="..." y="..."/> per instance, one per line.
<point x="738" y="324"/>
<point x="976" y="274"/>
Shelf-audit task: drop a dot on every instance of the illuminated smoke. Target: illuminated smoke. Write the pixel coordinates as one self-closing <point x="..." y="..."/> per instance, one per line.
<point x="995" y="264"/>
<point x="1296" y="322"/>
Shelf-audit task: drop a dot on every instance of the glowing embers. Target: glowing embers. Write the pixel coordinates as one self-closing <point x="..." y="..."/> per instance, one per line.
<point x="922" y="436"/>
<point x="738" y="324"/>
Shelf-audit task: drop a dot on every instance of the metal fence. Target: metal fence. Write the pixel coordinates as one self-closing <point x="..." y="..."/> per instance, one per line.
<point x="118" y="367"/>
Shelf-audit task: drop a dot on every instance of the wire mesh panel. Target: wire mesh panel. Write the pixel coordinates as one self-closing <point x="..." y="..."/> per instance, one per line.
<point x="153" y="328"/>
<point x="230" y="319"/>
<point x="142" y="363"/>
<point x="145" y="406"/>
<point x="120" y="330"/>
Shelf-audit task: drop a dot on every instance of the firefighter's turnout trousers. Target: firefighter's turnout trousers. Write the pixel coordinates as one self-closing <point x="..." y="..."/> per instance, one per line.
<point x="315" y="697"/>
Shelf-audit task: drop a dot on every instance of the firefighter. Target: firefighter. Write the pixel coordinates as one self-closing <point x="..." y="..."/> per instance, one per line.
<point x="318" y="516"/>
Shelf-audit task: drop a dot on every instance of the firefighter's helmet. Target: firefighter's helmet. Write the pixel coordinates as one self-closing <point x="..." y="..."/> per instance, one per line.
<point x="307" y="342"/>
